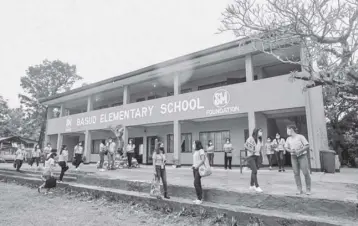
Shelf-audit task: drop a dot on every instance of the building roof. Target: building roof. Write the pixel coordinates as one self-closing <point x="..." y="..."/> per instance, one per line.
<point x="174" y="61"/>
<point x="17" y="138"/>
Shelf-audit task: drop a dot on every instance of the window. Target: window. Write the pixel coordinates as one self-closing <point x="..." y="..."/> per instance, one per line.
<point x="217" y="137"/>
<point x="95" y="146"/>
<point x="188" y="90"/>
<point x="140" y="99"/>
<point x="186" y="143"/>
<point x="117" y="104"/>
<point x="212" y="85"/>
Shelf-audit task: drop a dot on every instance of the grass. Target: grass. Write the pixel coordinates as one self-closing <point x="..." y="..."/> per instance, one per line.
<point x="21" y="205"/>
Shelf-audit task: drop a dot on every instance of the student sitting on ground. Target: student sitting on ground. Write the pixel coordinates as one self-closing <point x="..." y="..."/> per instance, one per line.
<point x="47" y="176"/>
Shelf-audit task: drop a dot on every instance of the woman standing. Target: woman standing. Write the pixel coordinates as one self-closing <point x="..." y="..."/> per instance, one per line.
<point x="47" y="176"/>
<point x="130" y="152"/>
<point x="254" y="145"/>
<point x="62" y="161"/>
<point x="298" y="146"/>
<point x="78" y="155"/>
<point x="210" y="151"/>
<point x="159" y="161"/>
<point x="36" y="153"/>
<point x="228" y="153"/>
<point x="269" y="151"/>
<point x="279" y="146"/>
<point x="198" y="160"/>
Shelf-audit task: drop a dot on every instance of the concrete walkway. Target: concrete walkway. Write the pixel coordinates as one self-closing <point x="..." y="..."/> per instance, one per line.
<point x="339" y="186"/>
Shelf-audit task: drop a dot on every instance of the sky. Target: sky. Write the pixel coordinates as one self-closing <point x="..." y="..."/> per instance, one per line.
<point x="102" y="38"/>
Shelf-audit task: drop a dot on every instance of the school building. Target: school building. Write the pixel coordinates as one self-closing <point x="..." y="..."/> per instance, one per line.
<point x="217" y="93"/>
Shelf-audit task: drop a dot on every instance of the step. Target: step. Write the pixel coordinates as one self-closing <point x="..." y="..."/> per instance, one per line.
<point x="244" y="215"/>
<point x="40" y="170"/>
<point x="299" y="204"/>
<point x="34" y="174"/>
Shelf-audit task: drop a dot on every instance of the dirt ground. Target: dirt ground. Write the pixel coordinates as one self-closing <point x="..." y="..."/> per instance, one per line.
<point x="21" y="205"/>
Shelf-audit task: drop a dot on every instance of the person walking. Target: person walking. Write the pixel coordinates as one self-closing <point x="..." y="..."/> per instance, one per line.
<point x="228" y="153"/>
<point x="62" y="162"/>
<point x="210" y="152"/>
<point x="269" y="151"/>
<point x="279" y="146"/>
<point x="20" y="156"/>
<point x="130" y="152"/>
<point x="102" y="153"/>
<point x="78" y="155"/>
<point x="298" y="146"/>
<point x="36" y="153"/>
<point x="159" y="161"/>
<point x="111" y="154"/>
<point x="47" y="151"/>
<point x="254" y="145"/>
<point x="47" y="176"/>
<point x="198" y="160"/>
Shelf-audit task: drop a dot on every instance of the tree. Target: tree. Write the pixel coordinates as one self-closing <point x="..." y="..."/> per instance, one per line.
<point x="42" y="81"/>
<point x="326" y="29"/>
<point x="4" y="117"/>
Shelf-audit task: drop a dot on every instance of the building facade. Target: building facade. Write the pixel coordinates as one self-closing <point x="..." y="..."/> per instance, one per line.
<point x="221" y="92"/>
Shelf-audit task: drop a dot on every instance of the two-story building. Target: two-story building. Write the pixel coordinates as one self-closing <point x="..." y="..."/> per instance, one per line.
<point x="217" y="93"/>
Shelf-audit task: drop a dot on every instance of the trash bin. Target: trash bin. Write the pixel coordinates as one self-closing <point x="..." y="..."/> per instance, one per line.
<point x="328" y="161"/>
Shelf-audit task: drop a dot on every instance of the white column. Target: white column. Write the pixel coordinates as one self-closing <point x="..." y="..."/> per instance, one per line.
<point x="49" y="115"/>
<point x="88" y="146"/>
<point x="249" y="68"/>
<point x="177" y="85"/>
<point x="145" y="144"/>
<point x="125" y="137"/>
<point x="177" y="143"/>
<point x="252" y="121"/>
<point x="59" y="142"/>
<point x="126" y="95"/>
<point x="89" y="104"/>
<point x="62" y="110"/>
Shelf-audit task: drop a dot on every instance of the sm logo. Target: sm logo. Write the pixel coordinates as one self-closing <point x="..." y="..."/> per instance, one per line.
<point x="69" y="122"/>
<point x="221" y="98"/>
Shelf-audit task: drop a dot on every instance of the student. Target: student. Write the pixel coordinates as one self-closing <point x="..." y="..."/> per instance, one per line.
<point x="269" y="151"/>
<point x="36" y="152"/>
<point x="254" y="145"/>
<point x="130" y="152"/>
<point x="47" y="151"/>
<point x="210" y="152"/>
<point x="47" y="176"/>
<point x="159" y="161"/>
<point x="228" y="153"/>
<point x="198" y="160"/>
<point x="78" y="155"/>
<point x="298" y="146"/>
<point x="102" y="153"/>
<point x="111" y="154"/>
<point x="62" y="161"/>
<point x="19" y="157"/>
<point x="279" y="146"/>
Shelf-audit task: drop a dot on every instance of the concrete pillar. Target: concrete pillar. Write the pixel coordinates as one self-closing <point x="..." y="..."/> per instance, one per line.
<point x="249" y="68"/>
<point x="177" y="143"/>
<point x="125" y="137"/>
<point x="88" y="146"/>
<point x="177" y="85"/>
<point x="89" y="103"/>
<point x="261" y="121"/>
<point x="316" y="124"/>
<point x="59" y="142"/>
<point x="126" y="95"/>
<point x="252" y="121"/>
<point x="145" y="147"/>
<point x="62" y="110"/>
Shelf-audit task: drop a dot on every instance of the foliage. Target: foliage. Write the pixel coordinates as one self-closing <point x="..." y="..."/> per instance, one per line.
<point x="326" y="29"/>
<point x="42" y="81"/>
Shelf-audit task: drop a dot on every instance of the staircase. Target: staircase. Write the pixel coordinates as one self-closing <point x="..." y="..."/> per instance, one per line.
<point x="271" y="210"/>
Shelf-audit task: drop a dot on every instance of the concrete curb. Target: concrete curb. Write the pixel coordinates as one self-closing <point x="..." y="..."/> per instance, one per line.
<point x="244" y="215"/>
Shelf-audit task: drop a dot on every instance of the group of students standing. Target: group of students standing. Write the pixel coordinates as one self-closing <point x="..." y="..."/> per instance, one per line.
<point x="109" y="148"/>
<point x="296" y="144"/>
